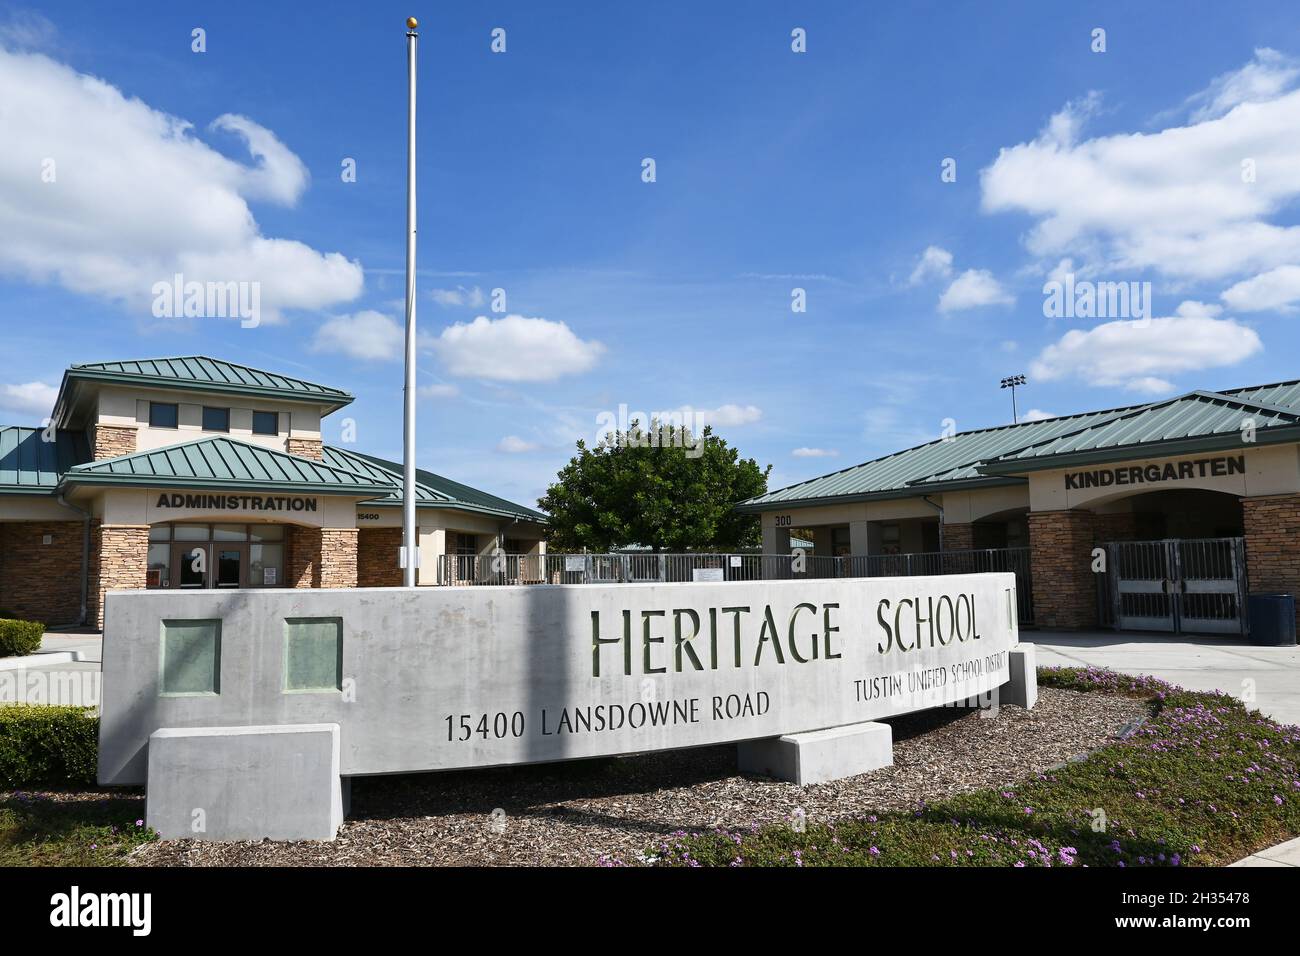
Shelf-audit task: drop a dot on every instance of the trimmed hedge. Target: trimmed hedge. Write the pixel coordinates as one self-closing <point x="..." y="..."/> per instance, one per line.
<point x="48" y="746"/>
<point x="20" y="638"/>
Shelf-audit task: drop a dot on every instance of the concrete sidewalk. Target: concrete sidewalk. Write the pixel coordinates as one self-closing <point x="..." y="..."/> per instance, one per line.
<point x="1267" y="679"/>
<point x="84" y="643"/>
<point x="1284" y="854"/>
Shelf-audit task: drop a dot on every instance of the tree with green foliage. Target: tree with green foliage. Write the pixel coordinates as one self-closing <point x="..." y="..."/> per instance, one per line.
<point x="663" y="488"/>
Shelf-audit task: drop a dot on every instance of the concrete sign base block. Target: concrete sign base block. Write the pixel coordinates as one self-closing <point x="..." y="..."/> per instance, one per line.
<point x="819" y="755"/>
<point x="245" y="783"/>
<point x="1022" y="689"/>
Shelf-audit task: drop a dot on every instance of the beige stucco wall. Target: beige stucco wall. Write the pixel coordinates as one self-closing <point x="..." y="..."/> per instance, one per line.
<point x="1270" y="470"/>
<point x="865" y="517"/>
<point x="138" y="506"/>
<point x="130" y="407"/>
<point x="35" y="508"/>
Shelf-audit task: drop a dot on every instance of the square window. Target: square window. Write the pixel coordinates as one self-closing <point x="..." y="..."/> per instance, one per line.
<point x="216" y="419"/>
<point x="266" y="423"/>
<point x="191" y="658"/>
<point x="164" y="415"/>
<point x="313" y="654"/>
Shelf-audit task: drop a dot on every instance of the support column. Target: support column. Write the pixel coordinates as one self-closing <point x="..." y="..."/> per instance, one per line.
<point x="958" y="536"/>
<point x="119" y="560"/>
<point x="1272" y="532"/>
<point x="377" y="551"/>
<point x="1065" y="588"/>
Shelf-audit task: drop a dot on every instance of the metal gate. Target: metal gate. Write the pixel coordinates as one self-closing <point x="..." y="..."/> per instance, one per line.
<point x="1190" y="586"/>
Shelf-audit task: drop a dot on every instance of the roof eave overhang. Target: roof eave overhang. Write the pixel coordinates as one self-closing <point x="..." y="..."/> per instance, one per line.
<point x="1162" y="449"/>
<point x="331" y="402"/>
<point x="912" y="491"/>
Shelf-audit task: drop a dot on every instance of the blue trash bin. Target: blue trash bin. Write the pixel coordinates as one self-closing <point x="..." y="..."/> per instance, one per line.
<point x="1272" y="619"/>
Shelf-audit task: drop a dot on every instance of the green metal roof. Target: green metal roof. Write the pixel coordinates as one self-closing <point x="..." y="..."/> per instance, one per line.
<point x="31" y="465"/>
<point x="1197" y="421"/>
<point x="223" y="462"/>
<point x="199" y="372"/>
<point x="432" y="491"/>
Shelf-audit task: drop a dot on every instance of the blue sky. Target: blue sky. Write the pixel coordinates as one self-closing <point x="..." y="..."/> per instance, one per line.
<point x="775" y="170"/>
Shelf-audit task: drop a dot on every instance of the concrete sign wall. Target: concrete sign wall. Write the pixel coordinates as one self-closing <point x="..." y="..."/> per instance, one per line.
<point x="431" y="679"/>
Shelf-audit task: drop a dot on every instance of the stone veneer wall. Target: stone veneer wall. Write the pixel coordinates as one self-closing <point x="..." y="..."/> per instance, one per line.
<point x="1119" y="526"/>
<point x="1065" y="588"/>
<point x="119" y="560"/>
<point x="320" y="557"/>
<point x="113" y="440"/>
<point x="38" y="581"/>
<point x="958" y="537"/>
<point x="1272" y="531"/>
<point x="306" y="448"/>
<point x="377" y="551"/>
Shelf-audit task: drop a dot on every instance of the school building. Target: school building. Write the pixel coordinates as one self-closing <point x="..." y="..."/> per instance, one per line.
<point x="195" y="472"/>
<point x="1160" y="516"/>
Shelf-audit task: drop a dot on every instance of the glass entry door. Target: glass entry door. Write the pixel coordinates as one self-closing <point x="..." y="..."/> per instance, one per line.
<point x="190" y="565"/>
<point x="229" y="565"/>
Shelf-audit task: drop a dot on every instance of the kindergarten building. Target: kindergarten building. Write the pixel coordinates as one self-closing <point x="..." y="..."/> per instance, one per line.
<point x="1159" y="516"/>
<point x="194" y="472"/>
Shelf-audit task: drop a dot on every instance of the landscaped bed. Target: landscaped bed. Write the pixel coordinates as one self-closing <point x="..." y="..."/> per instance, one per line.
<point x="1196" y="779"/>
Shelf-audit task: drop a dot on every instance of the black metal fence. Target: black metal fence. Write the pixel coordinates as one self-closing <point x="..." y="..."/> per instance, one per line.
<point x="502" y="568"/>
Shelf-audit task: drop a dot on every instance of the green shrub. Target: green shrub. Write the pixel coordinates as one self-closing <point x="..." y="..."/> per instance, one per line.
<point x="18" y="638"/>
<point x="52" y="746"/>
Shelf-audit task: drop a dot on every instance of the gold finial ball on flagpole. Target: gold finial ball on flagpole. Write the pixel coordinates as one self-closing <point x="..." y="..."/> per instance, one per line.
<point x="412" y="23"/>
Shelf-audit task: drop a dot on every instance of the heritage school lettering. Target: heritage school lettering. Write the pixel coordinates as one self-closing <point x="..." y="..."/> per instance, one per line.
<point x="1150" y="474"/>
<point x="237" y="502"/>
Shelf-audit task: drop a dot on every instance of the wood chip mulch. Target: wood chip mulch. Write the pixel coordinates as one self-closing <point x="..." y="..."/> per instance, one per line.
<point x="575" y="813"/>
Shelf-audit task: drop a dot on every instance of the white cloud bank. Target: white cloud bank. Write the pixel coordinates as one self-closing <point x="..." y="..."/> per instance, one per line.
<point x="135" y="197"/>
<point x="974" y="289"/>
<point x="514" y="348"/>
<point x="1174" y="201"/>
<point x="1137" y="354"/>
<point x="28" y="401"/>
<point x="366" y="335"/>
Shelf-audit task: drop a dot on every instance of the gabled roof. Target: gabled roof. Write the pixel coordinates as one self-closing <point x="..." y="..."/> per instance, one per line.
<point x="1194" y="422"/>
<point x="432" y="491"/>
<point x="31" y="465"/>
<point x="202" y="373"/>
<point x="223" y="462"/>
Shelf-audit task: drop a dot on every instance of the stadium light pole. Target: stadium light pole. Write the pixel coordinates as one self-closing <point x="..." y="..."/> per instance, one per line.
<point x="410" y="547"/>
<point x="1011" y="381"/>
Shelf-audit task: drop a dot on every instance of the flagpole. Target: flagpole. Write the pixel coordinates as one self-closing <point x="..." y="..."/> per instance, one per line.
<point x="410" y="542"/>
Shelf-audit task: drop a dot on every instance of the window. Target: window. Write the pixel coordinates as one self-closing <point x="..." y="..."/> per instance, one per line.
<point x="313" y="654"/>
<point x="216" y="419"/>
<point x="191" y="658"/>
<point x="266" y="423"/>
<point x="163" y="415"/>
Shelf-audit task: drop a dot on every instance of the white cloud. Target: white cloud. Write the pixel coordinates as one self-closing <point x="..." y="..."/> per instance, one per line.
<point x="1134" y="354"/>
<point x="1276" y="289"/>
<point x="1173" y="201"/>
<point x="728" y="416"/>
<point x="514" y="349"/>
<point x="29" y="400"/>
<point x="935" y="263"/>
<point x="137" y="198"/>
<point x="1264" y="78"/>
<point x="367" y="335"/>
<point x="472" y="297"/>
<point x="514" y="445"/>
<point x="26" y="28"/>
<point x="815" y="453"/>
<point x="440" y="390"/>
<point x="972" y="289"/>
<point x="1036" y="415"/>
